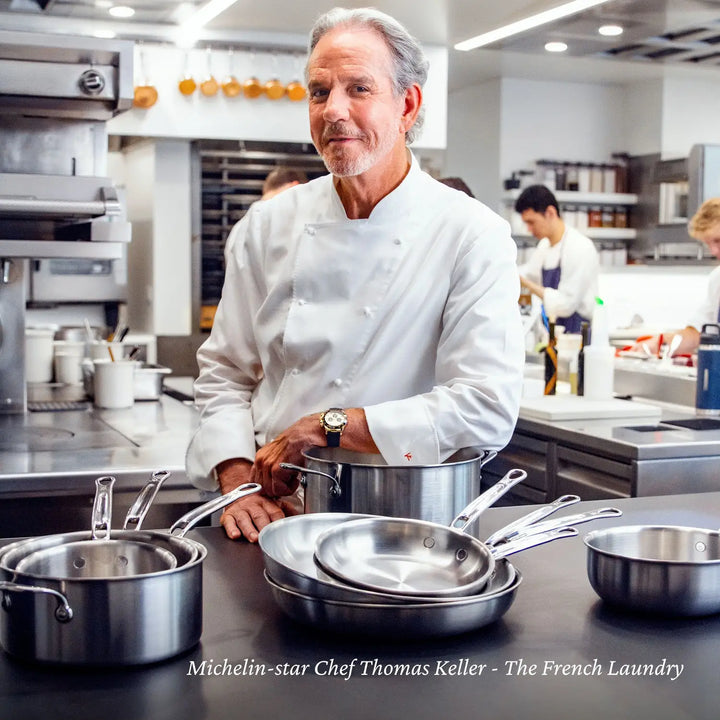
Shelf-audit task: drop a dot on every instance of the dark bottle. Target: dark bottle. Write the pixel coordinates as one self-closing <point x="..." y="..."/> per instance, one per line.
<point x="707" y="397"/>
<point x="551" y="362"/>
<point x="584" y="329"/>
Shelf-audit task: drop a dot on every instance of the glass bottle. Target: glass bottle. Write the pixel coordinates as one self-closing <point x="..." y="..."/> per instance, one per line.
<point x="551" y="362"/>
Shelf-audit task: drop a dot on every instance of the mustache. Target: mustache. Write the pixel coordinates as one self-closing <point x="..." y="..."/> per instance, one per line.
<point x="334" y="130"/>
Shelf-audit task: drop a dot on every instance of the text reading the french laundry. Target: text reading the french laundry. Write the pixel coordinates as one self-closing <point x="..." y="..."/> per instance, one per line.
<point x="463" y="667"/>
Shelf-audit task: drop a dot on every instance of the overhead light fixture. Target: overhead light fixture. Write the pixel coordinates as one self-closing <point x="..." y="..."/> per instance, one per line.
<point x="189" y="29"/>
<point x="103" y="4"/>
<point x="541" y="18"/>
<point x="556" y="46"/>
<point x="121" y="11"/>
<point x="104" y="34"/>
<point x="610" y="30"/>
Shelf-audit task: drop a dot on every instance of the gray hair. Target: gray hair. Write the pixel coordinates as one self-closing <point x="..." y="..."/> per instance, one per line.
<point x="411" y="65"/>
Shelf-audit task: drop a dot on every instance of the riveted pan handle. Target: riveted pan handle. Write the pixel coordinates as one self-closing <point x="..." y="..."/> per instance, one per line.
<point x="189" y="520"/>
<point x="63" y="611"/>
<point x="548" y="525"/>
<point x="484" y="501"/>
<point x="510" y="530"/>
<point x="335" y="489"/>
<point x="102" y="508"/>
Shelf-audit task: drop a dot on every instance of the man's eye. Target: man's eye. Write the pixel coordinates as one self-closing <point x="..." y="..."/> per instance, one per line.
<point x="360" y="89"/>
<point x="318" y="93"/>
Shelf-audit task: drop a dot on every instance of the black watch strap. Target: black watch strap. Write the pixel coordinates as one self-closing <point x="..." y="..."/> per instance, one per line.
<point x="333" y="438"/>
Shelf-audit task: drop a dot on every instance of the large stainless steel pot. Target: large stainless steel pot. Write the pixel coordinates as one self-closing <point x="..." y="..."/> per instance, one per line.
<point x="663" y="569"/>
<point x="107" y="621"/>
<point x="338" y="480"/>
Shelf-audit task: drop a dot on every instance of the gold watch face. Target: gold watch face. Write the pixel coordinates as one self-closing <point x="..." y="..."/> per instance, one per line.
<point x="335" y="419"/>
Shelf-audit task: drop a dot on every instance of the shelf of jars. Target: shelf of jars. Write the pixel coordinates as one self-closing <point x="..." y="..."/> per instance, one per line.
<point x="594" y="233"/>
<point x="575" y="197"/>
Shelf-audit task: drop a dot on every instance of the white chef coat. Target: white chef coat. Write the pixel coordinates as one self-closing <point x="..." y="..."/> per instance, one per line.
<point x="579" y="267"/>
<point x="411" y="314"/>
<point x="708" y="311"/>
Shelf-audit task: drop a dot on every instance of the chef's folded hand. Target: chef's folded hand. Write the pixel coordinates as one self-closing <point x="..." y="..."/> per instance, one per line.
<point x="249" y="515"/>
<point x="287" y="447"/>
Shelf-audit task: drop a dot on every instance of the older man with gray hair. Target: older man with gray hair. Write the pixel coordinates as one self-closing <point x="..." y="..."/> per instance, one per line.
<point x="373" y="309"/>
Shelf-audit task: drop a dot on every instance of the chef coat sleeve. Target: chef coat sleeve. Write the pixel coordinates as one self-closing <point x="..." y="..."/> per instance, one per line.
<point x="478" y="368"/>
<point x="229" y="369"/>
<point x="708" y="311"/>
<point x="579" y="269"/>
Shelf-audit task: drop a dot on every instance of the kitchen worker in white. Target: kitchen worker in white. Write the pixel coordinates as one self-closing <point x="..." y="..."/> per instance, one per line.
<point x="705" y="227"/>
<point x="563" y="269"/>
<point x="373" y="308"/>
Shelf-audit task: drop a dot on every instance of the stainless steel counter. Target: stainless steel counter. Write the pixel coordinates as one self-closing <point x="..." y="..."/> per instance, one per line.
<point x="254" y="655"/>
<point x="49" y="461"/>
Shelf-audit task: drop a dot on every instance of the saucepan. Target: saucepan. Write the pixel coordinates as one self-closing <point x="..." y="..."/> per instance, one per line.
<point x="663" y="569"/>
<point x="116" y="620"/>
<point x="338" y="480"/>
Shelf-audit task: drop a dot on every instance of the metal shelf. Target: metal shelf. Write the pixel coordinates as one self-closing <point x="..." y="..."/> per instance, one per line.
<point x="568" y="197"/>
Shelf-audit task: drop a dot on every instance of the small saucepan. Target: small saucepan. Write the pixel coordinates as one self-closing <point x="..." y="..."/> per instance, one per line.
<point x="662" y="569"/>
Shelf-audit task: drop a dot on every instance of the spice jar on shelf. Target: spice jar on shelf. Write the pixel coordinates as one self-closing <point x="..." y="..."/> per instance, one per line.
<point x="608" y="217"/>
<point x="595" y="216"/>
<point x="621" y="217"/>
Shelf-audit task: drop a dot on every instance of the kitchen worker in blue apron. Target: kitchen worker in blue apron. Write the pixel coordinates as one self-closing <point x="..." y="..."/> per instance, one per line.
<point x="373" y="309"/>
<point x="563" y="269"/>
<point x="705" y="227"/>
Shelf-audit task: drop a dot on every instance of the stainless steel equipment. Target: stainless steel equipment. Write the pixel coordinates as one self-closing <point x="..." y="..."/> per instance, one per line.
<point x="662" y="569"/>
<point x="56" y="92"/>
<point x="337" y="480"/>
<point x="126" y="620"/>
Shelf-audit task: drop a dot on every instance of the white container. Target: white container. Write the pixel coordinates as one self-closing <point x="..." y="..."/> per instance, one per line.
<point x="113" y="383"/>
<point x="100" y="350"/>
<point x="39" y="355"/>
<point x="68" y="368"/>
<point x="599" y="372"/>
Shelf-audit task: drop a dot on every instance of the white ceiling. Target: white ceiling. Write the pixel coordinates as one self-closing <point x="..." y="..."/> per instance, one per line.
<point x="443" y="22"/>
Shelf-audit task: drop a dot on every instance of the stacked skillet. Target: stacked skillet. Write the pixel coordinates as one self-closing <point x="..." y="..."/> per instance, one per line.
<point x="107" y="597"/>
<point x="404" y="578"/>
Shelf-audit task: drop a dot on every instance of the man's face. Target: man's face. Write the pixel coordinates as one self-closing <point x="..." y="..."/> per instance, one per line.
<point x="537" y="223"/>
<point x="711" y="238"/>
<point x="355" y="118"/>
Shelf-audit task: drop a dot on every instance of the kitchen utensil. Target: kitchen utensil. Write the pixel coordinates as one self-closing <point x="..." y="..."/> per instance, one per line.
<point x="447" y="548"/>
<point x="296" y="91"/>
<point x="139" y="509"/>
<point x="209" y="86"/>
<point x="337" y="480"/>
<point x="662" y="569"/>
<point x="187" y="84"/>
<point x="231" y="86"/>
<point x="107" y="621"/>
<point x="413" y="558"/>
<point x="288" y="544"/>
<point x="252" y="88"/>
<point x="408" y="621"/>
<point x="671" y="348"/>
<point x="145" y="93"/>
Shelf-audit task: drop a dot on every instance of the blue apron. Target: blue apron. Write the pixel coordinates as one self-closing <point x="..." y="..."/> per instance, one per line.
<point x="551" y="279"/>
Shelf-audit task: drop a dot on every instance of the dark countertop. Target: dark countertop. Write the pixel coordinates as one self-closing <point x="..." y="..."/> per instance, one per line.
<point x="556" y="617"/>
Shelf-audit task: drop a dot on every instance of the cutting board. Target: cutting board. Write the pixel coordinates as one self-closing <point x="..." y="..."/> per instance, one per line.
<point x="572" y="407"/>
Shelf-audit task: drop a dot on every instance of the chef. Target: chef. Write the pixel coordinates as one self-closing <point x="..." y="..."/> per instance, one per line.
<point x="563" y="269"/>
<point x="705" y="227"/>
<point x="373" y="309"/>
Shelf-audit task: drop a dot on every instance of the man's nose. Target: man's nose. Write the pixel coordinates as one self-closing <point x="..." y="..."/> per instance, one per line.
<point x="336" y="106"/>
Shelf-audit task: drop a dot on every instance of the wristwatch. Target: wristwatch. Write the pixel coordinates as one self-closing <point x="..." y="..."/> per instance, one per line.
<point x="333" y="421"/>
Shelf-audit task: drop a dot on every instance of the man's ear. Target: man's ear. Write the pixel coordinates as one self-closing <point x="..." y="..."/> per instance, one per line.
<point x="413" y="101"/>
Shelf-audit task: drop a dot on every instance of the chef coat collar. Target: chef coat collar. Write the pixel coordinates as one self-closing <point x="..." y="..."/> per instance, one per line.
<point x="393" y="203"/>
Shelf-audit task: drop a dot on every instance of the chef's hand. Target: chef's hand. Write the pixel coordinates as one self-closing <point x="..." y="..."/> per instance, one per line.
<point x="247" y="516"/>
<point x="287" y="447"/>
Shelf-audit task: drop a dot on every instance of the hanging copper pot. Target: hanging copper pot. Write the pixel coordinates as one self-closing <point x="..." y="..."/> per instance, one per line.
<point x="187" y="86"/>
<point x="274" y="89"/>
<point x="209" y="86"/>
<point x="296" y="91"/>
<point x="231" y="86"/>
<point x="145" y="94"/>
<point x="252" y="88"/>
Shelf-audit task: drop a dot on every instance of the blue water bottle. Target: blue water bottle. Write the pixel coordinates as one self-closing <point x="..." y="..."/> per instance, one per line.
<point x="707" y="396"/>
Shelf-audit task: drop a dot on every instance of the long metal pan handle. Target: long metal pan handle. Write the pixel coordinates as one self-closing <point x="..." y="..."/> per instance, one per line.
<point x="63" y="611"/>
<point x="139" y="509"/>
<point x="335" y="489"/>
<point x="525" y="543"/>
<point x="484" y="501"/>
<point x="189" y="520"/>
<point x="541" y="527"/>
<point x="504" y="533"/>
<point x="102" y="508"/>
